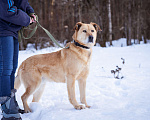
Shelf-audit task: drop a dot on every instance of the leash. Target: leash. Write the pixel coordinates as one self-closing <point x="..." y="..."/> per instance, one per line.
<point x="20" y="33"/>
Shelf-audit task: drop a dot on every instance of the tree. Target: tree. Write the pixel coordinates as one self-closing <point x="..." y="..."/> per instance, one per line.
<point x="117" y="19"/>
<point x="110" y="22"/>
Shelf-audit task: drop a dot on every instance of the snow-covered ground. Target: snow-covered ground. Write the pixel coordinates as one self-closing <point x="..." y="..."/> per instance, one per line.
<point x="109" y="98"/>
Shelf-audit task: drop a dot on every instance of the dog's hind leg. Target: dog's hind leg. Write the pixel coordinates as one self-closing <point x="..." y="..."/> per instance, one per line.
<point x="31" y="85"/>
<point x="25" y="97"/>
<point x="37" y="95"/>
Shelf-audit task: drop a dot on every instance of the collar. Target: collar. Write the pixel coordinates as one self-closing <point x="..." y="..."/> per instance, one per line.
<point x="78" y="44"/>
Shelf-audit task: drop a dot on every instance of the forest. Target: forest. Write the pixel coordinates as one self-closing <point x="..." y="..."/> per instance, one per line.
<point x="128" y="19"/>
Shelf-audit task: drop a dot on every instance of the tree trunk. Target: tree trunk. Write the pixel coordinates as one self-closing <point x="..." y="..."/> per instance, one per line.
<point x="129" y="24"/>
<point x="80" y="11"/>
<point x="138" y="24"/>
<point x="110" y="22"/>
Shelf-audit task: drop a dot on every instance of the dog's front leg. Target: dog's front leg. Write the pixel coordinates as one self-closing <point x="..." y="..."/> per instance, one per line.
<point x="82" y="88"/>
<point x="71" y="93"/>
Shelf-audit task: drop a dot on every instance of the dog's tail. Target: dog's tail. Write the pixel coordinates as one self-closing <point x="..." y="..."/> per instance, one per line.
<point x="17" y="78"/>
<point x="17" y="82"/>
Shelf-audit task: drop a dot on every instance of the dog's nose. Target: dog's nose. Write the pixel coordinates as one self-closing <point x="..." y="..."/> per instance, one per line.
<point x="91" y="38"/>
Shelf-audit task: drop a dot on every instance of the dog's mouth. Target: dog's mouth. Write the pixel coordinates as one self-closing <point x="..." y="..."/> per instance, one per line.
<point x="90" y="39"/>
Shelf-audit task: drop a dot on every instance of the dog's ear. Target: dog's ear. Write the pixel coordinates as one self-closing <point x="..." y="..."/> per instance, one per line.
<point x="77" y="26"/>
<point x="97" y="28"/>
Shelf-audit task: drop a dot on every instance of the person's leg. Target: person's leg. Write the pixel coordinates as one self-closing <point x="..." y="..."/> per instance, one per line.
<point x="6" y="65"/>
<point x="15" y="65"/>
<point x="9" y="106"/>
<point x="15" y="62"/>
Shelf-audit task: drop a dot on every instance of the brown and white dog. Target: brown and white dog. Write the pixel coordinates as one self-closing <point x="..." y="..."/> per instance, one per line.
<point x="65" y="65"/>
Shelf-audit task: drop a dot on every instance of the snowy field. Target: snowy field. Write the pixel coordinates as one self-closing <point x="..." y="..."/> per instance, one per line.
<point x="109" y="98"/>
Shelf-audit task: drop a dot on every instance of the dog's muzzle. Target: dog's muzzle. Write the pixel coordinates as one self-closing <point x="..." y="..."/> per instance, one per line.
<point x="90" y="39"/>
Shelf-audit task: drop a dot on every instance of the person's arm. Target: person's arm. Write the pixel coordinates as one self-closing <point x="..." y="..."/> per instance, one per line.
<point x="10" y="13"/>
<point x="24" y="5"/>
<point x="30" y="11"/>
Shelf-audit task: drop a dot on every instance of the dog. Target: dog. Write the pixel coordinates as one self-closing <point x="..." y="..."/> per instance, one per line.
<point x="65" y="65"/>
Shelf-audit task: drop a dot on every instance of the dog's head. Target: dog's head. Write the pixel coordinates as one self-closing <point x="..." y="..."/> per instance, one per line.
<point x="86" y="34"/>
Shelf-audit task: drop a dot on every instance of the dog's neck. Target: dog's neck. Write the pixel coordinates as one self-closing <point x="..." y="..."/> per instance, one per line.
<point x="82" y="46"/>
<point x="84" y="53"/>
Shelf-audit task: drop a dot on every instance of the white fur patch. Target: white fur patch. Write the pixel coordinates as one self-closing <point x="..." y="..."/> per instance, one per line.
<point x="86" y="41"/>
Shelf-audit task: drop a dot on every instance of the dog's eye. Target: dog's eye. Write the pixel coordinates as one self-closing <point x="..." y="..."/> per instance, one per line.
<point x="84" y="31"/>
<point x="92" y="30"/>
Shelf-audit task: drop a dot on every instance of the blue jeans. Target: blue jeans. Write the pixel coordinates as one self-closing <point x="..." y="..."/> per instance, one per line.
<point x="9" y="49"/>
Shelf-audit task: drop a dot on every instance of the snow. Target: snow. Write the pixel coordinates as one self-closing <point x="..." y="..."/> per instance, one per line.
<point x="109" y="98"/>
<point x="122" y="42"/>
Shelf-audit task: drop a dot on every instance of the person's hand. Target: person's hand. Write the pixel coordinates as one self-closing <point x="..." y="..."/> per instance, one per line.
<point x="32" y="19"/>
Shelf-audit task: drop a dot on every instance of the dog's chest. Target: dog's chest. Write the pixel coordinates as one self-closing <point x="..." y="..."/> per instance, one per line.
<point x="80" y="61"/>
<point x="86" y="57"/>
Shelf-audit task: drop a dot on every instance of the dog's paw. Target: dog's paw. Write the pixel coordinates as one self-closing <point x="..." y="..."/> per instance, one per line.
<point x="79" y="107"/>
<point x="27" y="110"/>
<point x="21" y="111"/>
<point x="88" y="106"/>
